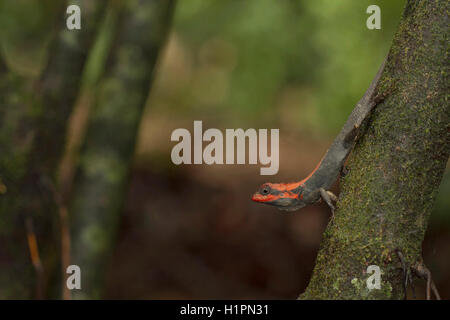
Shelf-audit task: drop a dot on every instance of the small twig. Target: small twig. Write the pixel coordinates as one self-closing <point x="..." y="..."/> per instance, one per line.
<point x="65" y="248"/>
<point x="35" y="257"/>
<point x="65" y="233"/>
<point x="405" y="271"/>
<point x="436" y="293"/>
<point x="406" y="274"/>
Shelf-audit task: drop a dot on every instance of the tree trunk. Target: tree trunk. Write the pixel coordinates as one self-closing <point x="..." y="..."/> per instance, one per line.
<point x="33" y="118"/>
<point x="105" y="157"/>
<point x="396" y="167"/>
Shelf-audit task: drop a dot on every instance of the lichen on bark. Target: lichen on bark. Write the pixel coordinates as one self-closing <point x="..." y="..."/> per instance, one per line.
<point x="396" y="167"/>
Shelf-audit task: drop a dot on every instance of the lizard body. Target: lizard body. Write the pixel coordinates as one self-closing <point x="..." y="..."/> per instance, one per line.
<point x="296" y="195"/>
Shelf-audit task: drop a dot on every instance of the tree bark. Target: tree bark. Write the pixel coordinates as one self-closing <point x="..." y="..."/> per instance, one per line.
<point x="105" y="157"/>
<point x="396" y="166"/>
<point x="33" y="118"/>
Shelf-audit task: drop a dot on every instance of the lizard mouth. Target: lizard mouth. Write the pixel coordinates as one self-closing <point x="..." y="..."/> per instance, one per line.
<point x="287" y="204"/>
<point x="259" y="198"/>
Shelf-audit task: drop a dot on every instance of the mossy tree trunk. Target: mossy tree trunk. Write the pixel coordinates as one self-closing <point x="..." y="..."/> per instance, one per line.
<point x="396" y="167"/>
<point x="105" y="157"/>
<point x="33" y="119"/>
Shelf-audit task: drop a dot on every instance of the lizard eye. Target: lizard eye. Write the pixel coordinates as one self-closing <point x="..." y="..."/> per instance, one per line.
<point x="265" y="190"/>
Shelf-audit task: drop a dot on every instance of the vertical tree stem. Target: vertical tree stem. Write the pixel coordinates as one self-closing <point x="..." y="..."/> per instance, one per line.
<point x="105" y="157"/>
<point x="396" y="167"/>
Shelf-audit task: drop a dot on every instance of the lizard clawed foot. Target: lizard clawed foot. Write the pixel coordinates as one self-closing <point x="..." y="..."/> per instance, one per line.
<point x="329" y="197"/>
<point x="419" y="270"/>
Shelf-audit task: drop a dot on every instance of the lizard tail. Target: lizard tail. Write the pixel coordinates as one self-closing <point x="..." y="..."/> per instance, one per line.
<point x="328" y="171"/>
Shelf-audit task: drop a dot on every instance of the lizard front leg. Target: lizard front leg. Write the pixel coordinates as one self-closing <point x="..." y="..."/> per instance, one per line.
<point x="328" y="197"/>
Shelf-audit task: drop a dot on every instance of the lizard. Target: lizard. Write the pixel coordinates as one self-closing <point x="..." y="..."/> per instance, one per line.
<point x="315" y="187"/>
<point x="296" y="195"/>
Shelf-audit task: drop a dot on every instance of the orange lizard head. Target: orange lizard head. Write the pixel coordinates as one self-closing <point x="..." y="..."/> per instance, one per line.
<point x="285" y="196"/>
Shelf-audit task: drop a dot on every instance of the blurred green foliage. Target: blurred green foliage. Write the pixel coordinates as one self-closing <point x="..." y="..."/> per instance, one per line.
<point x="26" y="26"/>
<point x="317" y="53"/>
<point x="300" y="65"/>
<point x="441" y="210"/>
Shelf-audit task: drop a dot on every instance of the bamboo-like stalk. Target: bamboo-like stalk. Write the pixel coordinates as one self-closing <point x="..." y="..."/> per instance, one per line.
<point x="101" y="178"/>
<point x="33" y="120"/>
